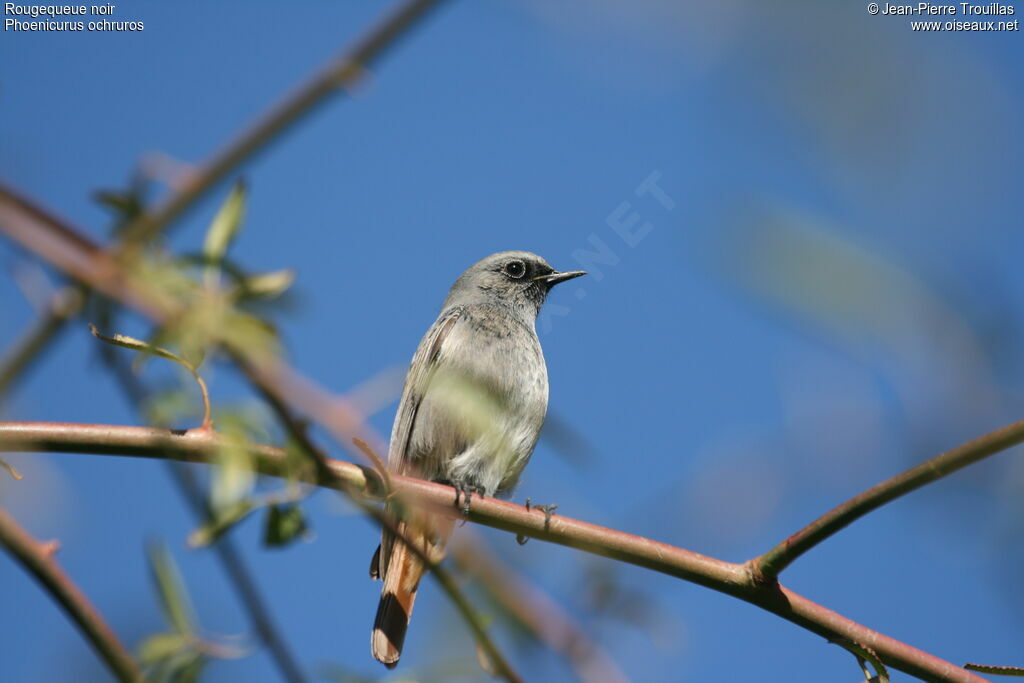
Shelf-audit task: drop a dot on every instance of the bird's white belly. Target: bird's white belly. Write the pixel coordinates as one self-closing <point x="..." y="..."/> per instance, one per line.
<point x="482" y="415"/>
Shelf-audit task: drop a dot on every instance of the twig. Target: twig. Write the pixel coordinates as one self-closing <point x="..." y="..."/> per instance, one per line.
<point x="338" y="74"/>
<point x="726" y="577"/>
<point x="770" y="564"/>
<point x="64" y="304"/>
<point x="37" y="558"/>
<point x="381" y="466"/>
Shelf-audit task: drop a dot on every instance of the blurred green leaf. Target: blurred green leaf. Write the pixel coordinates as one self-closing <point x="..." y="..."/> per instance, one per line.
<point x="285" y="523"/>
<point x="162" y="646"/>
<point x="171" y="589"/>
<point x="267" y="285"/>
<point x="224" y="228"/>
<point x="188" y="671"/>
<point x="234" y="477"/>
<point x="167" y="407"/>
<point x="223" y="521"/>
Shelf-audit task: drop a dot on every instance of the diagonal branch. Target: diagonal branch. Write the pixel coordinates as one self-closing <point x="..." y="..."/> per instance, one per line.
<point x="67" y="249"/>
<point x="770" y="564"/>
<point x="733" y="579"/>
<point x="27" y="348"/>
<point x="341" y="72"/>
<point x="37" y="558"/>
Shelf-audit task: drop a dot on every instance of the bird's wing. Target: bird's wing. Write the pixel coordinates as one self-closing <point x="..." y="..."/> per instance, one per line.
<point x="394" y="563"/>
<point x="423" y="364"/>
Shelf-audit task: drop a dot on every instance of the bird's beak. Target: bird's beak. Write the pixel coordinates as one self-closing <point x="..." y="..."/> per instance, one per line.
<point x="552" y="279"/>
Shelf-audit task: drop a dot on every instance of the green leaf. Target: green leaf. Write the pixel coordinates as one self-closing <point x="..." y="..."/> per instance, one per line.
<point x="140" y="346"/>
<point x="234" y="477"/>
<point x="268" y="285"/>
<point x="996" y="670"/>
<point x="151" y="349"/>
<point x="174" y="600"/>
<point x="223" y="521"/>
<point x="285" y="523"/>
<point x="188" y="671"/>
<point x="225" y="226"/>
<point x="162" y="646"/>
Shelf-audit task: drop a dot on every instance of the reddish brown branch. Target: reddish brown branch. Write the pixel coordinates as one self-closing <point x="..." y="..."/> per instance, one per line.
<point x="37" y="558"/>
<point x="726" y="577"/>
<point x="770" y="564"/>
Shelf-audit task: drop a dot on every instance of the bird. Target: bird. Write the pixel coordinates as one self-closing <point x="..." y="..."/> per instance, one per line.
<point x="472" y="407"/>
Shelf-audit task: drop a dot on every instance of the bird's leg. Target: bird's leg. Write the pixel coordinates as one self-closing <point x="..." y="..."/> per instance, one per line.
<point x="520" y="539"/>
<point x="548" y="511"/>
<point x="464" y="494"/>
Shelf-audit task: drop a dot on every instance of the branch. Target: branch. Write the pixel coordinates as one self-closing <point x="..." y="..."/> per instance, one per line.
<point x="37" y="558"/>
<point x="15" y="360"/>
<point x="770" y="564"/>
<point x="339" y="73"/>
<point x="726" y="577"/>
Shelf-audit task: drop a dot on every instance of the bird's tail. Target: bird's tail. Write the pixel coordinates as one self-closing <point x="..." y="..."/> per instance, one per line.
<point x="401" y="569"/>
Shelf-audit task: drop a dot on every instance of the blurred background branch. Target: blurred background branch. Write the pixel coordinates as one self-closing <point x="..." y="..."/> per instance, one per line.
<point x="37" y="558"/>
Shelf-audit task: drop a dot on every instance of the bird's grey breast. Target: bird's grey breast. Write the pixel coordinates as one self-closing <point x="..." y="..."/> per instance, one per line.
<point x="486" y="400"/>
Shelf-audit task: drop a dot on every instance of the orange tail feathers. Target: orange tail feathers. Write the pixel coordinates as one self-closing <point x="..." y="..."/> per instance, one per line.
<point x="402" y="574"/>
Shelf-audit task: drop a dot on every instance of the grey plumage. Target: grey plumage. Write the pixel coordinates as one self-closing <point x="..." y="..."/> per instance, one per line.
<point x="471" y="411"/>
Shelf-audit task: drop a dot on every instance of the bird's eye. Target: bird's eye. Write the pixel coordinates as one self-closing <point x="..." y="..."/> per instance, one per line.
<point x="515" y="269"/>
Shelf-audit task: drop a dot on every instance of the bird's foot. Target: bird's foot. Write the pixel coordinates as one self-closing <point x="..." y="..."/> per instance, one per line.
<point x="548" y="511"/>
<point x="464" y="495"/>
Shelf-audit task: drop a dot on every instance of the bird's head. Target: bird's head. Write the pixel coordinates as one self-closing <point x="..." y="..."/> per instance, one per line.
<point x="519" y="280"/>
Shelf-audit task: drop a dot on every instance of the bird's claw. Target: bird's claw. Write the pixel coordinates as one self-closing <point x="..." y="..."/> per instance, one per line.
<point x="548" y="511"/>
<point x="463" y="497"/>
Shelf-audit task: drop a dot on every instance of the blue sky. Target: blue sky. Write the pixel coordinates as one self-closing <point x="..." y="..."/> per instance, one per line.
<point x="834" y="296"/>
